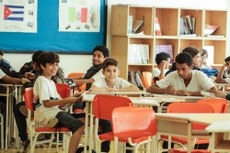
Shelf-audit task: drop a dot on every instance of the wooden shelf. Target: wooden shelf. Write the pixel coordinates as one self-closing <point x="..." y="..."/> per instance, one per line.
<point x="169" y="20"/>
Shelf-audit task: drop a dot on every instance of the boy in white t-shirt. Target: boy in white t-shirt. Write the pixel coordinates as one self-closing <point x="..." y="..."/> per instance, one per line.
<point x="110" y="82"/>
<point x="46" y="94"/>
<point x="185" y="81"/>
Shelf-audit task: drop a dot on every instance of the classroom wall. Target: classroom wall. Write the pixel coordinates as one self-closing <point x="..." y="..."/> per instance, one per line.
<point x="80" y="63"/>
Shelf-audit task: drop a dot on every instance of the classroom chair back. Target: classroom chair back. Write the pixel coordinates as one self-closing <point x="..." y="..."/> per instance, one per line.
<point x="219" y="104"/>
<point x="134" y="125"/>
<point x="63" y="90"/>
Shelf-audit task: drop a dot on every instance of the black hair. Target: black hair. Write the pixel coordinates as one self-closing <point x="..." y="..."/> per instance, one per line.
<point x="227" y="59"/>
<point x="36" y="55"/>
<point x="102" y="49"/>
<point x="184" y="58"/>
<point x="48" y="57"/>
<point x="108" y="62"/>
<point x="193" y="51"/>
<point x="1" y="52"/>
<point x="161" y="56"/>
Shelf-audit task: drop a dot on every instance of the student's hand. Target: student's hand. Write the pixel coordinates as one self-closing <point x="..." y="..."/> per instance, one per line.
<point x="24" y="80"/>
<point x="183" y="93"/>
<point x="170" y="90"/>
<point x="220" y="94"/>
<point x="29" y="75"/>
<point x="72" y="99"/>
<point x="111" y="90"/>
<point x="163" y="64"/>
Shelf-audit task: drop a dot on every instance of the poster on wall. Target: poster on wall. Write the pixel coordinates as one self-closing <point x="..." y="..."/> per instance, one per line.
<point x="18" y="16"/>
<point x="79" y="15"/>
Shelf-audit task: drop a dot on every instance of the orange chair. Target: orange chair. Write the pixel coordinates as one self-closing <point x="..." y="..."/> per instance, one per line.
<point x="220" y="105"/>
<point x="134" y="125"/>
<point x="63" y="90"/>
<point x="146" y="79"/>
<point x="36" y="131"/>
<point x="198" y="127"/>
<point x="103" y="106"/>
<point x="77" y="74"/>
<point x="185" y="151"/>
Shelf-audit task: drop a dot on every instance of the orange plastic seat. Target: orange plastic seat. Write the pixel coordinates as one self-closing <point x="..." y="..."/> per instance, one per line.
<point x="185" y="151"/>
<point x="36" y="131"/>
<point x="63" y="90"/>
<point x="133" y="125"/>
<point x="219" y="104"/>
<point x="103" y="106"/>
<point x="190" y="108"/>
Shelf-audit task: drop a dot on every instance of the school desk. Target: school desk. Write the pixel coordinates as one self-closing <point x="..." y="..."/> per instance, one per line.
<point x="173" y="124"/>
<point x="88" y="98"/>
<point x="220" y="141"/>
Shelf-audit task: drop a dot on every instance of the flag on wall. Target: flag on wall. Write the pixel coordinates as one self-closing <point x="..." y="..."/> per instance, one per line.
<point x="14" y="12"/>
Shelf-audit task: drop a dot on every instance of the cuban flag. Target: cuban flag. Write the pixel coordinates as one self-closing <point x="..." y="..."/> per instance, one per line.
<point x="13" y="12"/>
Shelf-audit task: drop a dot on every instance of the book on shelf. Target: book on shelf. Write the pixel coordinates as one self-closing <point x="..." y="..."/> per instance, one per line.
<point x="210" y="50"/>
<point x="137" y="25"/>
<point x="157" y="27"/>
<point x="187" y="25"/>
<point x="130" y="24"/>
<point x="210" y="29"/>
<point x="138" y="54"/>
<point x="164" y="48"/>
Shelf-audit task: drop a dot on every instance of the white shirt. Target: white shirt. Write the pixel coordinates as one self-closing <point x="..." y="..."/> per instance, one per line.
<point x="45" y="89"/>
<point x="118" y="84"/>
<point x="199" y="82"/>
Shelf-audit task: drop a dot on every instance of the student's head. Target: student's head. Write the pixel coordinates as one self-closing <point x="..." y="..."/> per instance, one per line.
<point x="227" y="61"/>
<point x="100" y="53"/>
<point x="49" y="63"/>
<point x="35" y="60"/>
<point x="184" y="64"/>
<point x="195" y="53"/>
<point x="162" y="56"/>
<point x="110" y="69"/>
<point x="204" y="56"/>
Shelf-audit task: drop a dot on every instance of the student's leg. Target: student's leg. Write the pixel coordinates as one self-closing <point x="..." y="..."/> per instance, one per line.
<point x="21" y="121"/>
<point x="75" y="125"/>
<point x="105" y="127"/>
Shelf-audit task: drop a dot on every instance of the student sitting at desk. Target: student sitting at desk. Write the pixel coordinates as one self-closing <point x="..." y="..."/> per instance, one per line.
<point x="195" y="53"/>
<point x="224" y="74"/>
<point x="185" y="81"/>
<point x="110" y="82"/>
<point x="50" y="103"/>
<point x="100" y="53"/>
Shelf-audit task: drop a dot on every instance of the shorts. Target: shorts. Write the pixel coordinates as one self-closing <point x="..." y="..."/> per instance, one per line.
<point x="69" y="121"/>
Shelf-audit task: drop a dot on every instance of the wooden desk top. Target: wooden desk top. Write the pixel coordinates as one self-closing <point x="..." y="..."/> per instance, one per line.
<point x="182" y="98"/>
<point x="219" y="126"/>
<point x="206" y="118"/>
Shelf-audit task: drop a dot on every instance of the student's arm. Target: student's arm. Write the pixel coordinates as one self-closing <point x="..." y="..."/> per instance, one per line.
<point x="95" y="88"/>
<point x="187" y="93"/>
<point x="156" y="89"/>
<point x="162" y="68"/>
<point x="83" y="81"/>
<point x="220" y="75"/>
<point x="8" y="79"/>
<point x="131" y="88"/>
